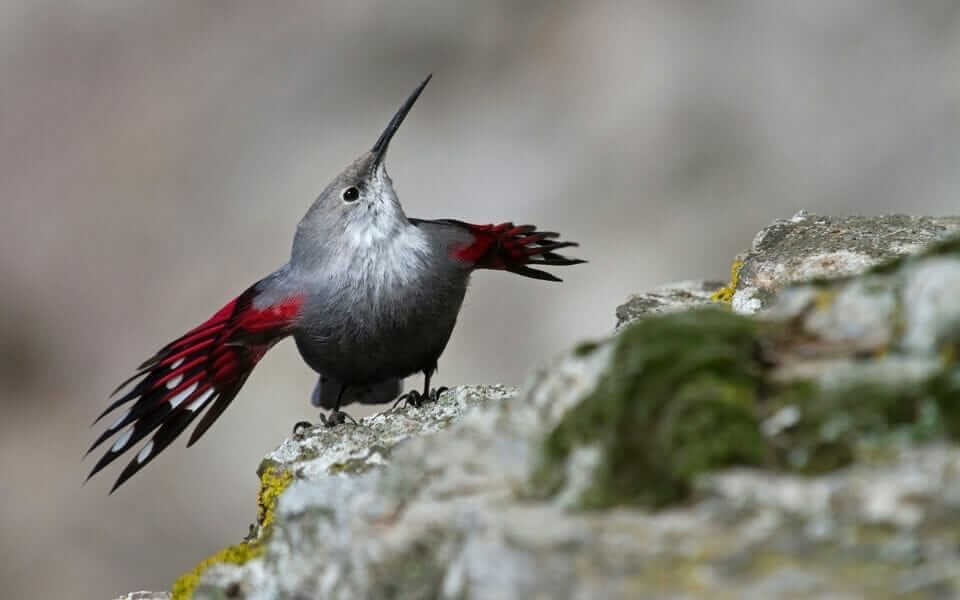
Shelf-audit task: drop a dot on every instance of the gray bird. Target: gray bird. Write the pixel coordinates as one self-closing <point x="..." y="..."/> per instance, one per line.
<point x="369" y="295"/>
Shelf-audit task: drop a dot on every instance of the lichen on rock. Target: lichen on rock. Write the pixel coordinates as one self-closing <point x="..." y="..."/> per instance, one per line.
<point x="272" y="484"/>
<point x="725" y="294"/>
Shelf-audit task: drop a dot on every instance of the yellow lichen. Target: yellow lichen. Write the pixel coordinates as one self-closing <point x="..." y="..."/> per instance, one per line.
<point x="725" y="294"/>
<point x="948" y="355"/>
<point x="272" y="484"/>
<point x="824" y="300"/>
<point x="232" y="555"/>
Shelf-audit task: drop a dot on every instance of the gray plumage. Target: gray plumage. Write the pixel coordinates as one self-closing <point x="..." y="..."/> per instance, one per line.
<point x="382" y="294"/>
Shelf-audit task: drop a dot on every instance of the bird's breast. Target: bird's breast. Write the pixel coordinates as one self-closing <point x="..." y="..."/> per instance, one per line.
<point x="381" y="308"/>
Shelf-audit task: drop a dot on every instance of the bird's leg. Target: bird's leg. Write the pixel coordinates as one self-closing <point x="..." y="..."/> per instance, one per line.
<point x="337" y="416"/>
<point x="428" y="394"/>
<point x="417" y="399"/>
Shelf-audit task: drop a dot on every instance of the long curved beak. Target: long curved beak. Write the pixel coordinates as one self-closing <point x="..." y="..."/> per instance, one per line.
<point x="380" y="148"/>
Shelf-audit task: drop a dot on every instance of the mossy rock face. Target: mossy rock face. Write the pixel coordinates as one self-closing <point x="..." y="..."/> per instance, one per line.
<point x="695" y="392"/>
<point x="679" y="398"/>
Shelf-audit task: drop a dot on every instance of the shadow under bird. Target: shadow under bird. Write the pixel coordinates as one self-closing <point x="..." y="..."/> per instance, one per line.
<point x="369" y="294"/>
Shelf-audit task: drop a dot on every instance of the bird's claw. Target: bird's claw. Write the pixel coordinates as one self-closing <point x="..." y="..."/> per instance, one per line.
<point x="416" y="399"/>
<point x="411" y="398"/>
<point x="336" y="418"/>
<point x="332" y="420"/>
<point x="300" y="429"/>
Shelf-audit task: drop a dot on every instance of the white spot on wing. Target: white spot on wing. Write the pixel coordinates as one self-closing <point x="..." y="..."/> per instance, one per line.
<point x="174" y="382"/>
<point x="176" y="364"/>
<point x="196" y="404"/>
<point x="176" y="400"/>
<point x="121" y="442"/>
<point x="144" y="454"/>
<point x="120" y="420"/>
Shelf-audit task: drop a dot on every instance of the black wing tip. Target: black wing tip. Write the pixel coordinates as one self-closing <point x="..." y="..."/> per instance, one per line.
<point x="557" y="261"/>
<point x="101" y="465"/>
<point x="534" y="273"/>
<point x="120" y="481"/>
<point x="129" y="471"/>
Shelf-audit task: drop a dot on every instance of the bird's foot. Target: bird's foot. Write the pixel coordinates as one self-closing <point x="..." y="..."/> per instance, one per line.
<point x="337" y="417"/>
<point x="416" y="399"/>
<point x="332" y="420"/>
<point x="300" y="429"/>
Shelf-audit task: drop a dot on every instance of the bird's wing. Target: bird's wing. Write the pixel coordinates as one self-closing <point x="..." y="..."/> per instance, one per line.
<point x="201" y="371"/>
<point x="505" y="246"/>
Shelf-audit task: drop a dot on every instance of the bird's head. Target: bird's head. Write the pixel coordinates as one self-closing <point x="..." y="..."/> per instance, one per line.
<point x="360" y="202"/>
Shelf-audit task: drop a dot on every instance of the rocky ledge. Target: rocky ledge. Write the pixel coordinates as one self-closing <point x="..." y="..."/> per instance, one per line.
<point x="806" y="451"/>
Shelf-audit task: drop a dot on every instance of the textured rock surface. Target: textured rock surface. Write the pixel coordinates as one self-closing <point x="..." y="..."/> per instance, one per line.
<point x="847" y="387"/>
<point x="683" y="295"/>
<point x="809" y="246"/>
<point x="354" y="450"/>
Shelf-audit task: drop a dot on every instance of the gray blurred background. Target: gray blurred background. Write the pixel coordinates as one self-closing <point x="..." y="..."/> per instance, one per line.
<point x="155" y="158"/>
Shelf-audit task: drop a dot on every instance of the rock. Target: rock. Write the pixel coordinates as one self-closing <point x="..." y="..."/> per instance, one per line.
<point x="673" y="297"/>
<point x="808" y="452"/>
<point x="354" y="450"/>
<point x="809" y="246"/>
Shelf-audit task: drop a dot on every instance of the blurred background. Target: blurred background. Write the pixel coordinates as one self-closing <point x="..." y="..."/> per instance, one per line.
<point x="155" y="158"/>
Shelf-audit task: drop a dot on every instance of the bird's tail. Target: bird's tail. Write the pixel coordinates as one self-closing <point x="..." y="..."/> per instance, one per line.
<point x="199" y="372"/>
<point x="514" y="248"/>
<point x="327" y="393"/>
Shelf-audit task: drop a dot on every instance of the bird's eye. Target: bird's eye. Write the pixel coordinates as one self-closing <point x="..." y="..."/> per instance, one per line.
<point x="350" y="194"/>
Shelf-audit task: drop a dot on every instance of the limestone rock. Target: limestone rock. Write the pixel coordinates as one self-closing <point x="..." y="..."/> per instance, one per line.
<point x="809" y="246"/>
<point x="673" y="297"/>
<point x="354" y="450"/>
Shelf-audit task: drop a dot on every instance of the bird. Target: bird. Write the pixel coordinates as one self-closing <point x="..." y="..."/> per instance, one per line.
<point x="369" y="295"/>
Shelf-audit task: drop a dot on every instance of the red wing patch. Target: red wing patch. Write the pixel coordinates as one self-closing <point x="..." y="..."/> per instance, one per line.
<point x="512" y="248"/>
<point x="201" y="371"/>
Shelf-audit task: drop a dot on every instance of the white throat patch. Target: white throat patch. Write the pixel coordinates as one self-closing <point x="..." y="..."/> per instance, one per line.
<point x="377" y="256"/>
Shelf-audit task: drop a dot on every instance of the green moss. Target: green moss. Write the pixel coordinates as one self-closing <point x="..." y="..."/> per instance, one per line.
<point x="945" y="389"/>
<point x="836" y="426"/>
<point x="585" y="348"/>
<point x="725" y="294"/>
<point x="272" y="484"/>
<point x="692" y="392"/>
<point x="416" y="573"/>
<point x="679" y="399"/>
